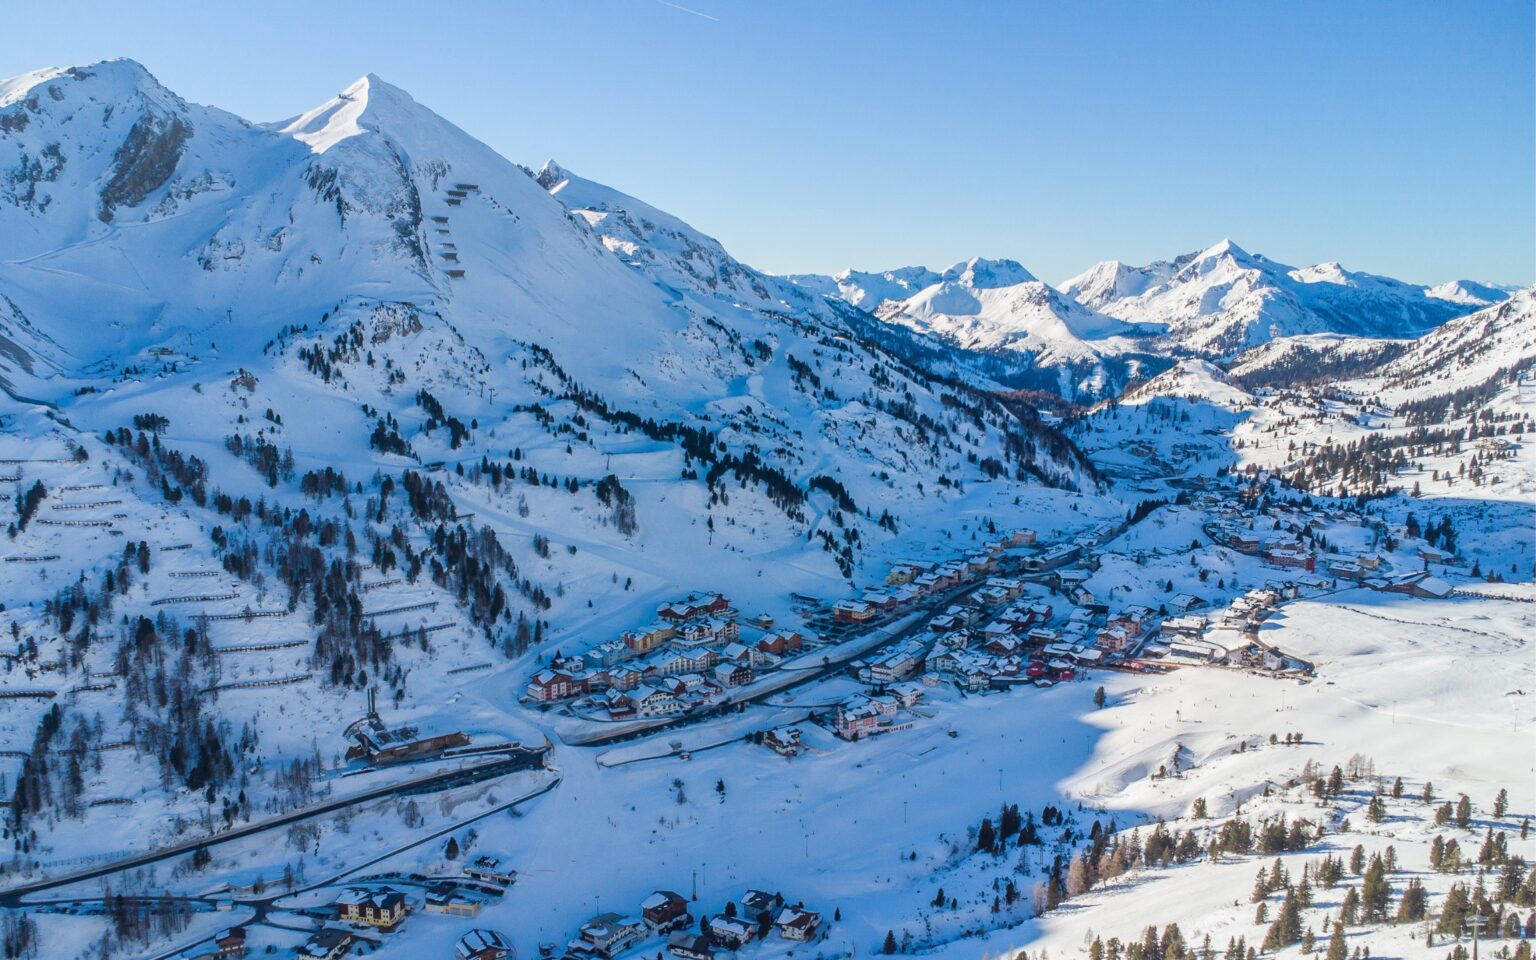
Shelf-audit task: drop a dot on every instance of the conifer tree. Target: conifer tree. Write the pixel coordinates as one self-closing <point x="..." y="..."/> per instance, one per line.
<point x="1337" y="948"/>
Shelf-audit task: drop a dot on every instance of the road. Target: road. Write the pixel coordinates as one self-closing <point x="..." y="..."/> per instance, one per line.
<point x="525" y="760"/>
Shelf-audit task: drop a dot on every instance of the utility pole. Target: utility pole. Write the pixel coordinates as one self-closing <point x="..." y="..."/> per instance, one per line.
<point x="1478" y="925"/>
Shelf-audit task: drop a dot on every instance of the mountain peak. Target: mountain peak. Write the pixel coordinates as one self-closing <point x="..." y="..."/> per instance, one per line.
<point x="360" y="108"/>
<point x="107" y="80"/>
<point x="551" y="175"/>
<point x="984" y="274"/>
<point x="1224" y="248"/>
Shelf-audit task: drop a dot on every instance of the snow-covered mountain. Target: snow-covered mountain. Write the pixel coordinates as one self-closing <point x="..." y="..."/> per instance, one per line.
<point x="869" y="291"/>
<point x="1224" y="299"/>
<point x="139" y="230"/>
<point x="1473" y="292"/>
<point x="998" y="308"/>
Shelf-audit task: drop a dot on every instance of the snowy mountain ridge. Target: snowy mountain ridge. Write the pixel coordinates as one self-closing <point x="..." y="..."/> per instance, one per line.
<point x="1224" y="299"/>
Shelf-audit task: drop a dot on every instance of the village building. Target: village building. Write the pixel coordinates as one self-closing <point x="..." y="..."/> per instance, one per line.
<point x="945" y="623"/>
<point x="655" y="702"/>
<point x="664" y="910"/>
<point x="785" y="741"/>
<point x="447" y="899"/>
<point x="230" y="943"/>
<point x="879" y="600"/>
<point x="1292" y="559"/>
<point x="796" y="924"/>
<point x="690" y="946"/>
<point x="898" y="664"/>
<point x="852" y="611"/>
<point x="733" y="674"/>
<point x="1112" y="639"/>
<point x="327" y="943"/>
<point x="491" y="869"/>
<point x="907" y="694"/>
<point x="1184" y="627"/>
<point x="383" y="907"/>
<point x="646" y="639"/>
<point x="1184" y="603"/>
<point x="550" y="685"/>
<point x="609" y="933"/>
<point x="619" y="704"/>
<point x="1244" y="541"/>
<point x="781" y="644"/>
<point x="1040" y="636"/>
<point x="483" y="945"/>
<point x="1001" y="645"/>
<point x="225" y="944"/>
<point x="731" y="932"/>
<point x="694" y="606"/>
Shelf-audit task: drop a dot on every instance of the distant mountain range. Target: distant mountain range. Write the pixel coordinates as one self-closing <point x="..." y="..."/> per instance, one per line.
<point x="1113" y="322"/>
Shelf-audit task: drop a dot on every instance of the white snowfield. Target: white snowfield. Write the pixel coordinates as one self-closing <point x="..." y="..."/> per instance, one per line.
<point x="367" y="289"/>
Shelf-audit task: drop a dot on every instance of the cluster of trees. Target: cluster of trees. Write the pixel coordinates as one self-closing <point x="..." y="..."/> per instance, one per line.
<point x="1455" y="404"/>
<point x="324" y="483"/>
<point x="263" y="456"/>
<point x="139" y="920"/>
<point x="163" y="465"/>
<point x="165" y="671"/>
<point x="836" y="490"/>
<point x="611" y="494"/>
<point x="1367" y="465"/>
<point x="1442" y="535"/>
<point x="385" y="436"/>
<point x="436" y="416"/>
<point x="18" y="936"/>
<point x="27" y="504"/>
<point x="345" y="347"/>
<point x="1302" y="366"/>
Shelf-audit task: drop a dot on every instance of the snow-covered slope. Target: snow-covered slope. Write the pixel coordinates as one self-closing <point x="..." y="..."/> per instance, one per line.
<point x="1225" y="299"/>
<point x="1472" y="292"/>
<point x="1471" y="349"/>
<point x="1312" y="358"/>
<point x="1191" y="379"/>
<point x="367" y="250"/>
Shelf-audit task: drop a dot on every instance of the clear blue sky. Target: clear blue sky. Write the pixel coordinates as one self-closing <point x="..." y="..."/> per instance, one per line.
<point x="1395" y="137"/>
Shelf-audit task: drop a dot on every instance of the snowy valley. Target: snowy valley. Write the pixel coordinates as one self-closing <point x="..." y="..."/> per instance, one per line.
<point x="412" y="553"/>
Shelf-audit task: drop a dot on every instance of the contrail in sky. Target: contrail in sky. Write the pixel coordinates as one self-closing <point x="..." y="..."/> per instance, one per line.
<point x="696" y="13"/>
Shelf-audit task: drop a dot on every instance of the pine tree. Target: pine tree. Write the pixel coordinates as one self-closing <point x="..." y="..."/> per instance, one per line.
<point x="1376" y="810"/>
<point x="986" y="837"/>
<point x="1337" y="948"/>
<point x="1500" y="803"/>
<point x="889" y="947"/>
<point x="452" y="853"/>
<point x="1414" y="904"/>
<point x="1463" y="812"/>
<point x="1375" y="892"/>
<point x="1349" y="911"/>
